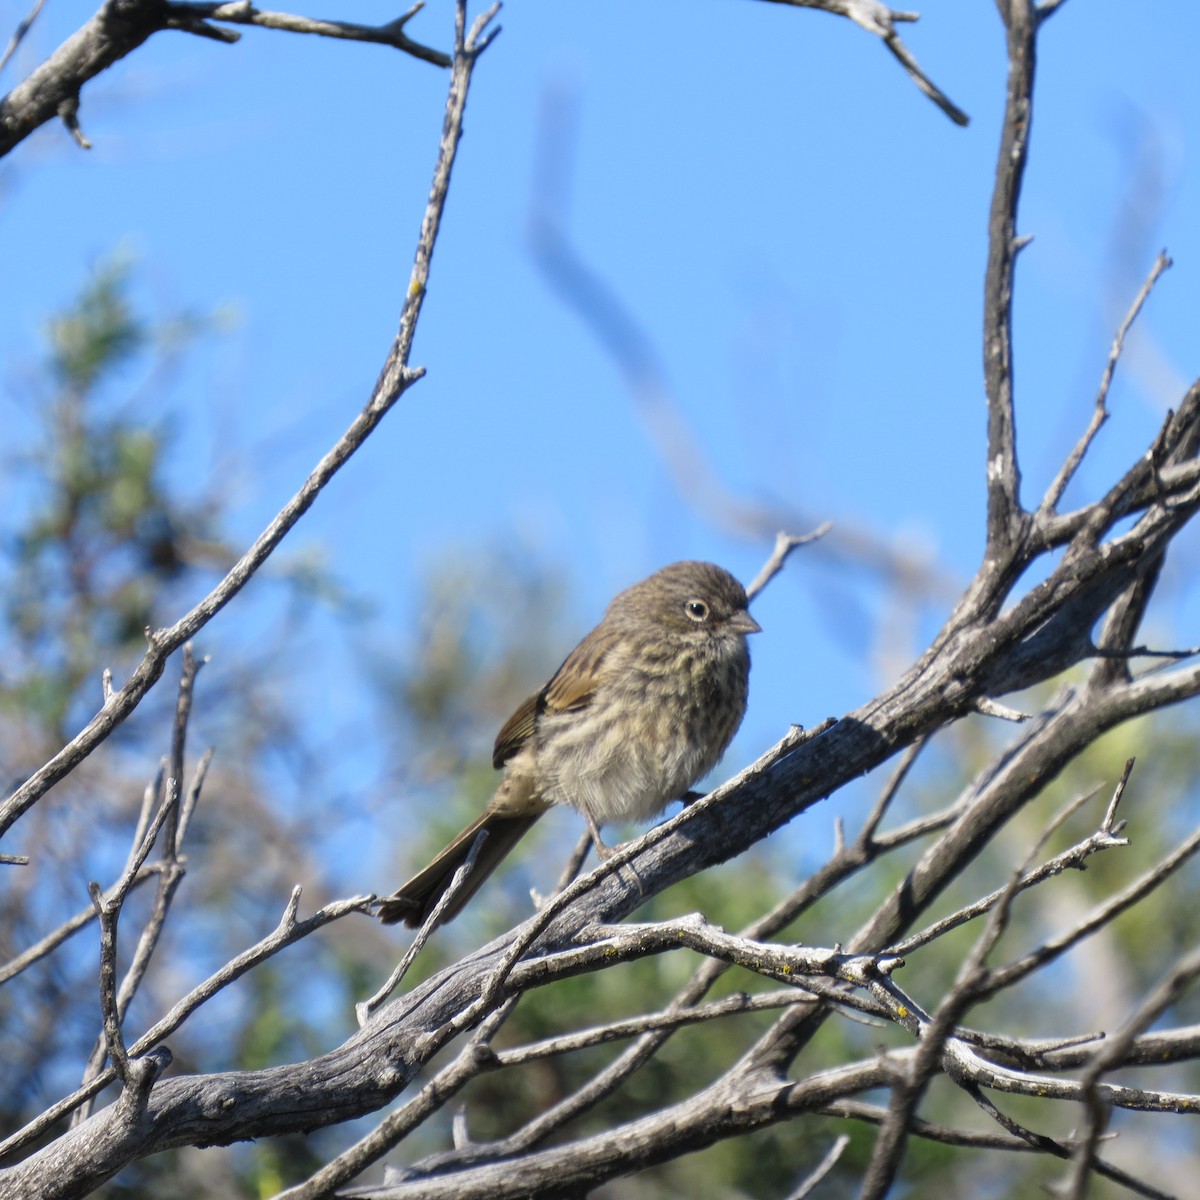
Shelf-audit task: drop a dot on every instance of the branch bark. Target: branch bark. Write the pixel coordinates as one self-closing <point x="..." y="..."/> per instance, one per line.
<point x="119" y="27"/>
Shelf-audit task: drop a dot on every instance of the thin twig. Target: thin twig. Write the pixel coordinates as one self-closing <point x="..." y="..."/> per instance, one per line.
<point x="785" y="543"/>
<point x="188" y="807"/>
<point x="394" y="379"/>
<point x="937" y="1032"/>
<point x="68" y="111"/>
<point x="171" y="870"/>
<point x="784" y="964"/>
<point x="1070" y="465"/>
<point x="241" y="12"/>
<point x="108" y="909"/>
<point x="366" y="1008"/>
<point x="1063" y="1148"/>
<point x="965" y="1065"/>
<point x="890" y="790"/>
<point x="1048" y="8"/>
<point x="1072" y="858"/>
<point x="152" y="795"/>
<point x="1109" y="1056"/>
<point x="183" y="712"/>
<point x="1110" y="814"/>
<point x="1000" y="978"/>
<point x="573" y="865"/>
<point x="822" y="1169"/>
<point x="988" y="707"/>
<point x="114" y="1043"/>
<point x="113" y="1003"/>
<point x="880" y="20"/>
<point x="904" y="56"/>
<point x="669" y="1018"/>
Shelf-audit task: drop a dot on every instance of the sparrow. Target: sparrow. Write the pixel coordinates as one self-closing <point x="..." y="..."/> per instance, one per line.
<point x="640" y="710"/>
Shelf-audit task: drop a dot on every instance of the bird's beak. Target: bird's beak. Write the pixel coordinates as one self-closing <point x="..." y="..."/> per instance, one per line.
<point x="743" y="622"/>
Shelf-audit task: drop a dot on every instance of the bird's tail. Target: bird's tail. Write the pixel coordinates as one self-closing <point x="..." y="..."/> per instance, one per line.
<point x="413" y="903"/>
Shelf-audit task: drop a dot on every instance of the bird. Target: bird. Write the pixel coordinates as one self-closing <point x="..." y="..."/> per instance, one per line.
<point x="642" y="708"/>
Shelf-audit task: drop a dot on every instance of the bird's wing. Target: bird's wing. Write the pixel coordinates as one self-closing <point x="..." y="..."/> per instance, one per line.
<point x="516" y="731"/>
<point x="570" y="689"/>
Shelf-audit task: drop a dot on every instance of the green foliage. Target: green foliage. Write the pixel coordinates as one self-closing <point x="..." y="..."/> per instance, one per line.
<point x="104" y="538"/>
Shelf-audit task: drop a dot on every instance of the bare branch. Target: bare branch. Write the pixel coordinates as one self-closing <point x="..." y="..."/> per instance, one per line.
<point x="670" y="1018"/>
<point x="880" y="20"/>
<point x="994" y="643"/>
<point x="241" y="12"/>
<point x="1109" y="824"/>
<point x="114" y="1044"/>
<point x="127" y="1143"/>
<point x="627" y="942"/>
<point x="785" y="543"/>
<point x="971" y="1139"/>
<point x="1005" y="515"/>
<point x="1071" y="859"/>
<point x="1048" y="8"/>
<point x="183" y="711"/>
<point x="364" y="1010"/>
<point x="875" y="1114"/>
<point x="1110" y="1056"/>
<point x="822" y="1169"/>
<point x="936" y="1033"/>
<point x="1100" y="413"/>
<point x="1155" y="1049"/>
<point x="740" y="1101"/>
<point x="990" y="708"/>
<point x="170" y="874"/>
<point x="112" y="33"/>
<point x="117" y="29"/>
<point x="1101" y="915"/>
<point x="193" y="795"/>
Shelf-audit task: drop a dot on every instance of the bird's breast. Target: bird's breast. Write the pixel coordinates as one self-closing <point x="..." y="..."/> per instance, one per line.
<point x="650" y="732"/>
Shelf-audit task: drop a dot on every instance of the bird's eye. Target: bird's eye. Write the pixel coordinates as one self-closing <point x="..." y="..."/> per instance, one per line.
<point x="697" y="610"/>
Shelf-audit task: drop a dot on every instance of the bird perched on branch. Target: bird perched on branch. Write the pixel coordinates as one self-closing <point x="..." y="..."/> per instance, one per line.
<point x="643" y="707"/>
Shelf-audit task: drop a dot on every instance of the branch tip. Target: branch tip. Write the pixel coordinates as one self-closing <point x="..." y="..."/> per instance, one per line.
<point x="987" y="707"/>
<point x="288" y="920"/>
<point x="68" y="111"/>
<point x="1110" y="815"/>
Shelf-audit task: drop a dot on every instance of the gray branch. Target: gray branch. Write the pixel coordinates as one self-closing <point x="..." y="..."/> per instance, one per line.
<point x="119" y="27"/>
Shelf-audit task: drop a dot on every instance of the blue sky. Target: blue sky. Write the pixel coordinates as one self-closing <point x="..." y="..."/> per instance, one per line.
<point x="799" y="232"/>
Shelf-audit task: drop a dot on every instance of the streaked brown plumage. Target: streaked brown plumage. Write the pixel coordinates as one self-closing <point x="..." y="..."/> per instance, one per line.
<point x="643" y="707"/>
